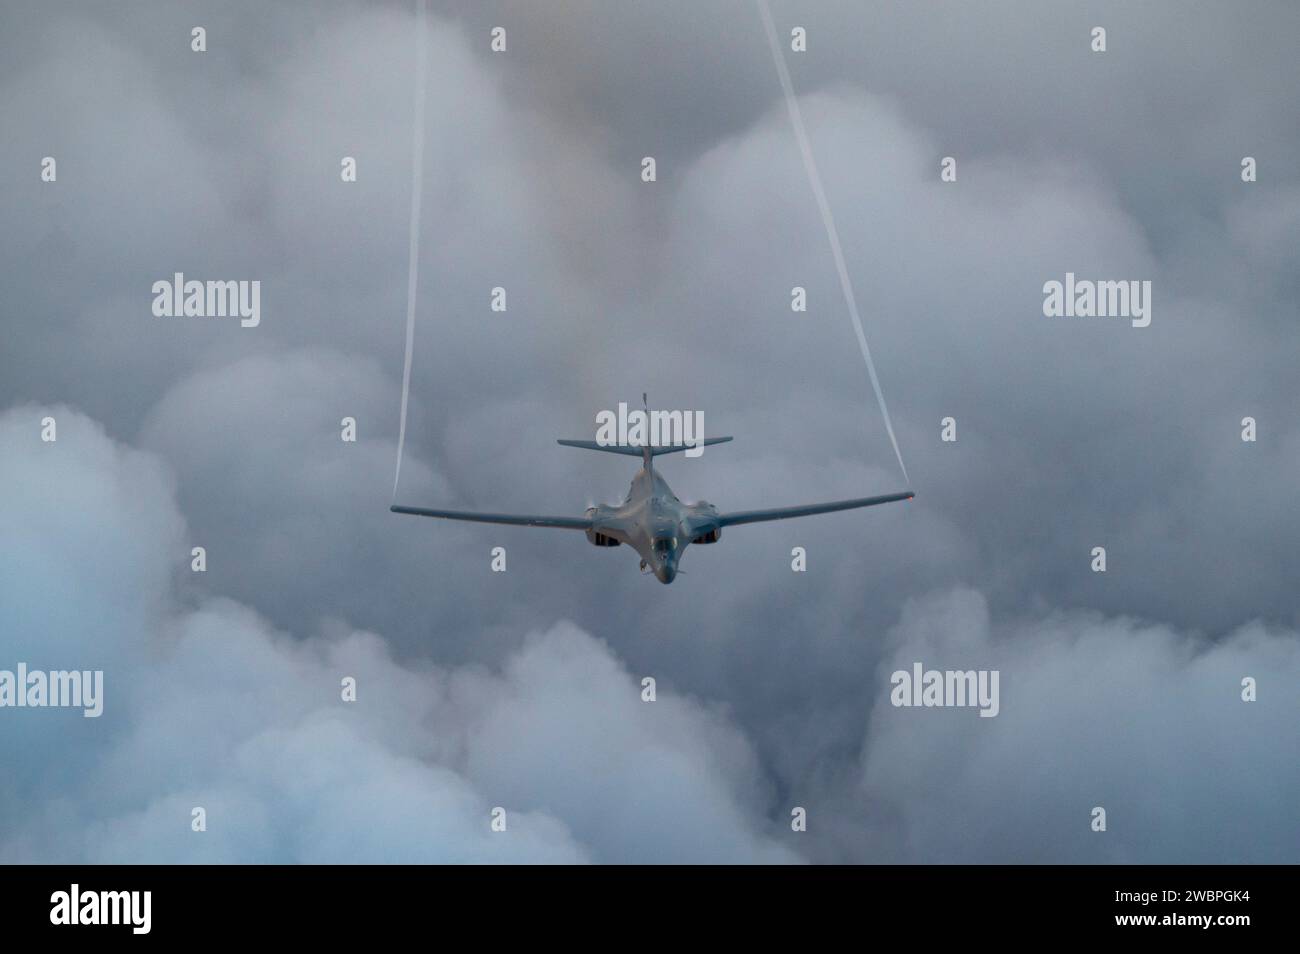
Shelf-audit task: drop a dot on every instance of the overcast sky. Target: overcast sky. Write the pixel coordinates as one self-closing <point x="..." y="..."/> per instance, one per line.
<point x="523" y="689"/>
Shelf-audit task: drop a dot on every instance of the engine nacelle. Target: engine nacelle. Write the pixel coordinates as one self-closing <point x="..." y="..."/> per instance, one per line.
<point x="600" y="540"/>
<point x="713" y="536"/>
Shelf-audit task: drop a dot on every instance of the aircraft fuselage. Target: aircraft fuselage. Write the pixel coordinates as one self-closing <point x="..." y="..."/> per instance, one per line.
<point x="654" y="523"/>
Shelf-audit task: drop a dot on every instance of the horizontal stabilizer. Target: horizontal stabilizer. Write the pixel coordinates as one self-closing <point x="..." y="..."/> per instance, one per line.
<point x="632" y="450"/>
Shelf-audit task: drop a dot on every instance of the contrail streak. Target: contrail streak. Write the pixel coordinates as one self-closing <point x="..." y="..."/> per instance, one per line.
<point x="796" y="118"/>
<point x="413" y="259"/>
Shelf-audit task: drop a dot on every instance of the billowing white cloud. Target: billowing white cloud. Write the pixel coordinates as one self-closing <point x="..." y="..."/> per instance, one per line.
<point x="210" y="707"/>
<point x="1139" y="719"/>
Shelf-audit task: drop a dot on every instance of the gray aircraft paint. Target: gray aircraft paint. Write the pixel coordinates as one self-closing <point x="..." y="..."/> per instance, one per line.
<point x="651" y="520"/>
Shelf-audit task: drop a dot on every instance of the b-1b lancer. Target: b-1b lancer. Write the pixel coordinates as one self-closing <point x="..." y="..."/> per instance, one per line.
<point x="652" y="521"/>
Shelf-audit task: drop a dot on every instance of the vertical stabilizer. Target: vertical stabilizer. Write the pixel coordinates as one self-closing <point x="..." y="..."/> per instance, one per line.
<point x="647" y="450"/>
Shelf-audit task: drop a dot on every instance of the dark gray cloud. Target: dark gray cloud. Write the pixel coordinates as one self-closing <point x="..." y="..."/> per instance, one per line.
<point x="1071" y="435"/>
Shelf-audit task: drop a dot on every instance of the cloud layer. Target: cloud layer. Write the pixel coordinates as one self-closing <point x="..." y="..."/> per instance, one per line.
<point x="522" y="689"/>
<point x="211" y="707"/>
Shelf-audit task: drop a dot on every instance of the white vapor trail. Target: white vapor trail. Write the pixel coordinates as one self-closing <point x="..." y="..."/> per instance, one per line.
<point x="796" y="118"/>
<point x="413" y="259"/>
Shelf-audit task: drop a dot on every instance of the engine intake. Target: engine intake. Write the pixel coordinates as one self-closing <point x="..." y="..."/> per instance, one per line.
<point x="600" y="540"/>
<point x="711" y="537"/>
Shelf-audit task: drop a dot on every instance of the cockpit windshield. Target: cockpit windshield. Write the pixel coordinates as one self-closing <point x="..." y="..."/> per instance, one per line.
<point x="666" y="544"/>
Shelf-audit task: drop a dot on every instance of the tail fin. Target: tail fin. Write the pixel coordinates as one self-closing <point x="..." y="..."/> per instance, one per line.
<point x="647" y="452"/>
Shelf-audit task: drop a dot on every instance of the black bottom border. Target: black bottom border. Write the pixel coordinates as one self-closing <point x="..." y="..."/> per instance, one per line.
<point x="335" y="903"/>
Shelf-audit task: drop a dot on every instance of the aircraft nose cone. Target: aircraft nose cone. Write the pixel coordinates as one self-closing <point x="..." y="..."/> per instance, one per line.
<point x="666" y="572"/>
